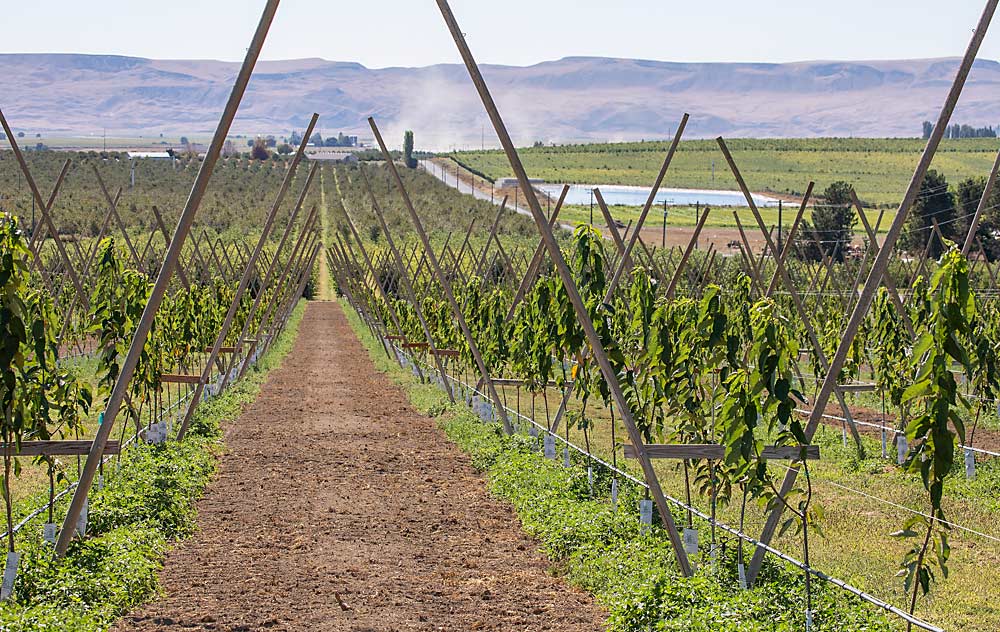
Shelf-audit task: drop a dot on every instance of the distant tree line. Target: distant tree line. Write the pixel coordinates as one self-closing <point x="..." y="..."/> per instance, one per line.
<point x="961" y="131"/>
<point x="941" y="211"/>
<point x="831" y="230"/>
<point x="317" y="140"/>
<point x="940" y="214"/>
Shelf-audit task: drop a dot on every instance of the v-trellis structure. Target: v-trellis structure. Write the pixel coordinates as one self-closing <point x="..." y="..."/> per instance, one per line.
<point x="412" y="296"/>
<point x="717" y="364"/>
<point x="224" y="302"/>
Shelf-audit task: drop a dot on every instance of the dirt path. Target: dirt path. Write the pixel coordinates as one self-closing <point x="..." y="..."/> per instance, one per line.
<point x="335" y="491"/>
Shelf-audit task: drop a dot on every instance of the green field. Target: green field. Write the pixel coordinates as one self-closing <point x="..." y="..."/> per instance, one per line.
<point x="720" y="217"/>
<point x="114" y="142"/>
<point x="879" y="169"/>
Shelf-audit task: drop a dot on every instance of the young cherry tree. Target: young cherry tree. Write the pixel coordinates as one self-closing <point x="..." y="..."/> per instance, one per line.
<point x="39" y="399"/>
<point x="948" y="311"/>
<point x="760" y="403"/>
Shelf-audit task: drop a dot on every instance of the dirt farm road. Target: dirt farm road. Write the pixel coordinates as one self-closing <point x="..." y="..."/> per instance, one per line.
<point x="339" y="507"/>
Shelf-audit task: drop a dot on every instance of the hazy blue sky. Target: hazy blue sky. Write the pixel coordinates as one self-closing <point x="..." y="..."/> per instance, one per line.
<point x="411" y="32"/>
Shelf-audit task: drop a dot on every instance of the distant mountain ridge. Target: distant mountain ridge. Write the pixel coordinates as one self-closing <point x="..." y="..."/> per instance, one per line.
<point x="571" y="99"/>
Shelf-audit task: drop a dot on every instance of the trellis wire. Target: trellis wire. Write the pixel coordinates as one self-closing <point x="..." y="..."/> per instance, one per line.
<point x="875" y="601"/>
<point x="893" y="430"/>
<point x="69" y="488"/>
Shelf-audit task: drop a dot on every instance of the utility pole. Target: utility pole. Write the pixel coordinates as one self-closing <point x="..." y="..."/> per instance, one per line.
<point x="779" y="226"/>
<point x="664" y="244"/>
<point x="591" y="207"/>
<point x="697" y="213"/>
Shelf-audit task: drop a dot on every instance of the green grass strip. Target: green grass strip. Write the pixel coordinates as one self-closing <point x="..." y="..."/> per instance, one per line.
<point x="601" y="550"/>
<point x="145" y="505"/>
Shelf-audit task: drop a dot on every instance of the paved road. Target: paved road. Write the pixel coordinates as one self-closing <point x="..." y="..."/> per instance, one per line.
<point x="435" y="171"/>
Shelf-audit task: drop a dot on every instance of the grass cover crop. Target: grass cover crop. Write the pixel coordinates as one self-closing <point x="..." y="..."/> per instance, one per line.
<point x="601" y="550"/>
<point x="142" y="508"/>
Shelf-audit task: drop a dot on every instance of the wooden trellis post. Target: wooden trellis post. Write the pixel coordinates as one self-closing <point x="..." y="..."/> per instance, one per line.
<point x="284" y="293"/>
<point x="166" y="236"/>
<point x="290" y="304"/>
<point x="249" y="271"/>
<point x="649" y="199"/>
<point x="269" y="275"/>
<point x="38" y="230"/>
<point x="687" y="253"/>
<point x="42" y="205"/>
<point x="465" y="244"/>
<point x="342" y="268"/>
<point x="574" y="295"/>
<point x="163" y="279"/>
<point x="306" y="235"/>
<point x="536" y="258"/>
<point x="113" y="205"/>
<point x="445" y="285"/>
<point x="753" y="270"/>
<point x="404" y="279"/>
<point x="790" y="286"/>
<point x="878" y="270"/>
<point x="886" y="280"/>
<point x="225" y="256"/>
<point x="489" y="238"/>
<point x="981" y="208"/>
<point x="613" y="230"/>
<point x="375" y="280"/>
<point x="790" y="238"/>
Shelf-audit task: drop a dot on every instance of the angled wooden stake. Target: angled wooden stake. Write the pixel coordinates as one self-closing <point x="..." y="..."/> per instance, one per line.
<point x="465" y="243"/>
<point x="536" y="258"/>
<point x="226" y="258"/>
<point x="249" y="271"/>
<point x="294" y="260"/>
<point x="687" y="253"/>
<point x="290" y="305"/>
<point x="790" y="287"/>
<point x="878" y="269"/>
<point x="748" y="255"/>
<point x="374" y="276"/>
<point x="38" y="231"/>
<point x="268" y="276"/>
<point x="790" y="238"/>
<point x="349" y="276"/>
<point x="163" y="279"/>
<point x="490" y="236"/>
<point x="983" y="202"/>
<point x="117" y="217"/>
<point x="649" y="204"/>
<point x="166" y="236"/>
<point x="613" y="229"/>
<point x="404" y="279"/>
<point x="42" y="205"/>
<point x="445" y="285"/>
<point x="582" y="314"/>
<point x="887" y="279"/>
